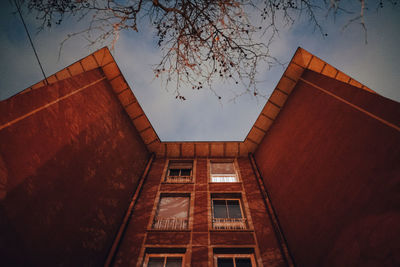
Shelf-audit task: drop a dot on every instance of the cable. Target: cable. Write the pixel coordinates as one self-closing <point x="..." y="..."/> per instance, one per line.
<point x="30" y="40"/>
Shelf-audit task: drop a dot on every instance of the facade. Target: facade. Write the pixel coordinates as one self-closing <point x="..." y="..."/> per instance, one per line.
<point x="216" y="215"/>
<point x="85" y="180"/>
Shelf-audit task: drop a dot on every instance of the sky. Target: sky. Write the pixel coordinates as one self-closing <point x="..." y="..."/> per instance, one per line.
<point x="202" y="117"/>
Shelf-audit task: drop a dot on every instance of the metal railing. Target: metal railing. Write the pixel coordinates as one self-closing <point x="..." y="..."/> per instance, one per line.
<point x="224" y="178"/>
<point x="179" y="179"/>
<point x="161" y="223"/>
<point x="229" y="223"/>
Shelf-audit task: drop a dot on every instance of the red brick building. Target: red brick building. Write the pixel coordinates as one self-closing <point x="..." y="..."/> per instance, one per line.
<point x="85" y="180"/>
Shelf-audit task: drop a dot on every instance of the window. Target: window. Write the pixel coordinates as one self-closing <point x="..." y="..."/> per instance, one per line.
<point x="179" y="172"/>
<point x="223" y="172"/>
<point x="228" y="214"/>
<point x="236" y="260"/>
<point x="163" y="260"/>
<point x="172" y="213"/>
<point x="164" y="257"/>
<point x="234" y="257"/>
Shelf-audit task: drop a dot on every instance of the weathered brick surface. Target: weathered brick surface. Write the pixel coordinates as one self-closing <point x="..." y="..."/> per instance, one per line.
<point x="177" y="187"/>
<point x="331" y="171"/>
<point x="234" y="238"/>
<point x="201" y="175"/>
<point x="71" y="169"/>
<point x="128" y="253"/>
<point x="218" y="187"/>
<point x="168" y="238"/>
<point x="380" y="106"/>
<point x="200" y="220"/>
<point x="199" y="237"/>
<point x="267" y="241"/>
<point x="200" y="256"/>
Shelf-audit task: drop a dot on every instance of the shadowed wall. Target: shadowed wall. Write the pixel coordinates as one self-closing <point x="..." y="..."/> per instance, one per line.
<point x="70" y="160"/>
<point x="333" y="173"/>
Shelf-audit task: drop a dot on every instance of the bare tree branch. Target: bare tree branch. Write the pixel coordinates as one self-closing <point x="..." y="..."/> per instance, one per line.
<point x="201" y="40"/>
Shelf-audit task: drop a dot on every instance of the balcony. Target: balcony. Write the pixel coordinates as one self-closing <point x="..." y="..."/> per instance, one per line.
<point x="179" y="179"/>
<point x="161" y="223"/>
<point x="219" y="178"/>
<point x="229" y="223"/>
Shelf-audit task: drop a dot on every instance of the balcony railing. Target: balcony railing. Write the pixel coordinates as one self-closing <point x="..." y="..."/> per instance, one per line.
<point x="179" y="179"/>
<point x="219" y="178"/>
<point x="229" y="223"/>
<point x="161" y="223"/>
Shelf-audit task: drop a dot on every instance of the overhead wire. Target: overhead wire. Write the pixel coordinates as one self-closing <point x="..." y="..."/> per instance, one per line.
<point x="30" y="40"/>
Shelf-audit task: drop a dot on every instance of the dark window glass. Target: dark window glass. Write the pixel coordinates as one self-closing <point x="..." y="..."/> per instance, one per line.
<point x="243" y="262"/>
<point x="225" y="262"/>
<point x="227" y="209"/>
<point x="155" y="262"/>
<point x="185" y="172"/>
<point x="234" y="209"/>
<point x="220" y="209"/>
<point x="174" y="262"/>
<point x="174" y="172"/>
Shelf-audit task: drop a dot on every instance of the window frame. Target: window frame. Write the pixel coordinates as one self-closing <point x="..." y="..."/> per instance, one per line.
<point x="235" y="167"/>
<point x="156" y="209"/>
<point x="235" y="256"/>
<point x="166" y="173"/>
<point x="163" y="255"/>
<point x="244" y="218"/>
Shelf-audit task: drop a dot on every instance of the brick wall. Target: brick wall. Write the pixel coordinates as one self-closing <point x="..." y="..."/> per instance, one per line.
<point x="70" y="160"/>
<point x="134" y="236"/>
<point x="333" y="173"/>
<point x="199" y="240"/>
<point x="267" y="242"/>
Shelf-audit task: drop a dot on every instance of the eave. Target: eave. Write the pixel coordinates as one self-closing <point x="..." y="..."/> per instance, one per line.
<point x="103" y="59"/>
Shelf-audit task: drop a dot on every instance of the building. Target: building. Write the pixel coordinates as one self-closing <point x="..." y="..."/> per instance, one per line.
<point x="85" y="180"/>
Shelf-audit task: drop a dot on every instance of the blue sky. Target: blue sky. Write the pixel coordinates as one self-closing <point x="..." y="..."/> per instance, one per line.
<point x="202" y="116"/>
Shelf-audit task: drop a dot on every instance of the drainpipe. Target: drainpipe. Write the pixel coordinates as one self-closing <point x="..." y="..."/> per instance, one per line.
<point x="272" y="214"/>
<point x="121" y="230"/>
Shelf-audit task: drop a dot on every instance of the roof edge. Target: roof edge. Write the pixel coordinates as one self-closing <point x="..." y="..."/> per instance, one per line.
<point x="103" y="59"/>
<point x="301" y="60"/>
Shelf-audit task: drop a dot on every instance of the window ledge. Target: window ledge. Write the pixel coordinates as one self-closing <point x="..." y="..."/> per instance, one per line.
<point x="231" y="230"/>
<point x="225" y="182"/>
<point x="161" y="230"/>
<point x="177" y="183"/>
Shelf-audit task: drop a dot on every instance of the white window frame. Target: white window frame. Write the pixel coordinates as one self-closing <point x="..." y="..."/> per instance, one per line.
<point x="229" y="223"/>
<point x="163" y="255"/>
<point x="234" y="256"/>
<point x="224" y="178"/>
